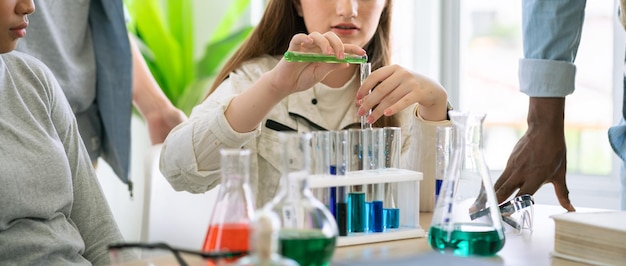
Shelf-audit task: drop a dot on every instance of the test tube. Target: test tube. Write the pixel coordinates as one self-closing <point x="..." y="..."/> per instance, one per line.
<point x="377" y="163"/>
<point x="444" y="148"/>
<point x="392" y="141"/>
<point x="321" y="165"/>
<point x="339" y="155"/>
<point x="357" y="161"/>
<point x="366" y="70"/>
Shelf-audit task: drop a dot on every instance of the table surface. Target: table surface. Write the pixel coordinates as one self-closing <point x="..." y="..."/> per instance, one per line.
<point x="519" y="249"/>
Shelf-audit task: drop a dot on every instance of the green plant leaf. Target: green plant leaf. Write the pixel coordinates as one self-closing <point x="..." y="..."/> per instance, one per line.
<point x="234" y="12"/>
<point x="167" y="44"/>
<point x="194" y="94"/>
<point x="153" y="31"/>
<point x="217" y="52"/>
<point x="180" y="19"/>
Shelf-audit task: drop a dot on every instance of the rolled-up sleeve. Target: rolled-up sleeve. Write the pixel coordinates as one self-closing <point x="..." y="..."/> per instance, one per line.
<point x="551" y="35"/>
<point x="190" y="157"/>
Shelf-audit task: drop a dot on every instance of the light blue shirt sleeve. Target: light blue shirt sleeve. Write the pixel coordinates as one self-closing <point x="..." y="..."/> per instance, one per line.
<point x="551" y="34"/>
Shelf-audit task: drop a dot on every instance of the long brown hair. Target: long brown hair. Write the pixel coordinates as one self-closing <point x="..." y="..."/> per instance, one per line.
<point x="280" y="22"/>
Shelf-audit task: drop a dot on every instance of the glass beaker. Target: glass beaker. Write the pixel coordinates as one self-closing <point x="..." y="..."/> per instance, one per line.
<point x="229" y="226"/>
<point x="308" y="231"/>
<point x="467" y="220"/>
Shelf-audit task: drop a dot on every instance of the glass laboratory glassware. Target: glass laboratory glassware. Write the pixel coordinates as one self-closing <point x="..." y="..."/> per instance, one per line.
<point x="357" y="162"/>
<point x="365" y="70"/>
<point x="264" y="243"/>
<point x="321" y="166"/>
<point x="339" y="163"/>
<point x="229" y="226"/>
<point x="308" y="231"/>
<point x="444" y="148"/>
<point x="291" y="56"/>
<point x="376" y="192"/>
<point x="392" y="141"/>
<point x="467" y="220"/>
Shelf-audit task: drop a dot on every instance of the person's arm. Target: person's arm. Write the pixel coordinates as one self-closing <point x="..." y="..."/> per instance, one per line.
<point x="90" y="211"/>
<point x="160" y="114"/>
<point x="551" y="35"/>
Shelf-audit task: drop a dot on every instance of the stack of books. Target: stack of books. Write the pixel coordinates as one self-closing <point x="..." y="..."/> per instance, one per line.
<point x="596" y="238"/>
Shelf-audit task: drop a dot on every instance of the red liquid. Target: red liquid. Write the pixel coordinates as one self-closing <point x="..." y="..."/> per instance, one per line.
<point x="227" y="237"/>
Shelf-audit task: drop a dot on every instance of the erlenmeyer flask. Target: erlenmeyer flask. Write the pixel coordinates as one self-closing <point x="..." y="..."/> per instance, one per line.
<point x="308" y="231"/>
<point x="229" y="226"/>
<point x="264" y="243"/>
<point x="466" y="220"/>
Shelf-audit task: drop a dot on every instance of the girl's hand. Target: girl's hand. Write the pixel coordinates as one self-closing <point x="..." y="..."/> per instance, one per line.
<point x="290" y="77"/>
<point x="394" y="88"/>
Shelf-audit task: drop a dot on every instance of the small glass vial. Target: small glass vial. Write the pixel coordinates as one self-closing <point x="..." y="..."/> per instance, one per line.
<point x="308" y="231"/>
<point x="264" y="243"/>
<point x="229" y="226"/>
<point x="467" y="220"/>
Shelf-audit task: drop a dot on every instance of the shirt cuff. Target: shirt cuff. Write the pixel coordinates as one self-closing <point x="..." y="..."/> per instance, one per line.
<point x="428" y="122"/>
<point x="546" y="78"/>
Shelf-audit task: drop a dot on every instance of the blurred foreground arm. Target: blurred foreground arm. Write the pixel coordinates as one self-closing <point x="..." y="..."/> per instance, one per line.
<point x="160" y="114"/>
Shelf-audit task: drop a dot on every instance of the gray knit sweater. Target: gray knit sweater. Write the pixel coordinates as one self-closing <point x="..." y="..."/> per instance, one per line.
<point x="52" y="210"/>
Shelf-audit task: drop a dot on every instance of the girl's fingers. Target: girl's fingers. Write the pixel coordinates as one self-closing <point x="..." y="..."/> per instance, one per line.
<point x="299" y="40"/>
<point x="336" y="44"/>
<point x="320" y="41"/>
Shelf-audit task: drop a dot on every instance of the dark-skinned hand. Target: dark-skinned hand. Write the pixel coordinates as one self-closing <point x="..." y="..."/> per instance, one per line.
<point x="539" y="157"/>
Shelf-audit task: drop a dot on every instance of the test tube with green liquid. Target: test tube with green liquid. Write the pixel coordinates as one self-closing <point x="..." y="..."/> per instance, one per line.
<point x="291" y="56"/>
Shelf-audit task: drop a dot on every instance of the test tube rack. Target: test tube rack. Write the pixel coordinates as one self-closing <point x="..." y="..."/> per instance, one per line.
<point x="407" y="195"/>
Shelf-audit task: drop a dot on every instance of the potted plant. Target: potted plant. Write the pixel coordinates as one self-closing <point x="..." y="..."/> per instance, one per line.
<point x="165" y="36"/>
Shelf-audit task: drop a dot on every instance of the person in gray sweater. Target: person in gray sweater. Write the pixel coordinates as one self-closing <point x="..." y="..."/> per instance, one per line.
<point x="52" y="209"/>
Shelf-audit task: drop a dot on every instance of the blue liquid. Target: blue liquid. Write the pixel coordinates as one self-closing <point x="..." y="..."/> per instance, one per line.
<point x="332" y="200"/>
<point x="438" y="183"/>
<point x="376" y="222"/>
<point x="357" y="211"/>
<point x="466" y="239"/>
<point x="391" y="218"/>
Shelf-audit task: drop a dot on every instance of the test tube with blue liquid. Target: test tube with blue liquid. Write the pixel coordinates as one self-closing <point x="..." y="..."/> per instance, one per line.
<point x="392" y="141"/>
<point x="356" y="197"/>
<point x="376" y="162"/>
<point x="339" y="162"/>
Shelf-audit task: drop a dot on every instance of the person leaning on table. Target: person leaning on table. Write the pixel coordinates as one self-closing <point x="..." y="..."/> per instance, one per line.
<point x="52" y="210"/>
<point x="551" y="33"/>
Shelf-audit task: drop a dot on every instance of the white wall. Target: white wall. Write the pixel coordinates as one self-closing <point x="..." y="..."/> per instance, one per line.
<point x="127" y="210"/>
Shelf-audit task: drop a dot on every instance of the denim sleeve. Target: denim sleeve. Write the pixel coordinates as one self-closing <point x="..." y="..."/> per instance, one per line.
<point x="551" y="34"/>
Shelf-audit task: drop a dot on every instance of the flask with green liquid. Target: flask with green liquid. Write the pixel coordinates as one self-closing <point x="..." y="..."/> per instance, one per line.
<point x="466" y="220"/>
<point x="308" y="232"/>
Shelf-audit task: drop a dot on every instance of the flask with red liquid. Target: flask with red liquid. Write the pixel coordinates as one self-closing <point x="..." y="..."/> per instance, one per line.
<point x="229" y="226"/>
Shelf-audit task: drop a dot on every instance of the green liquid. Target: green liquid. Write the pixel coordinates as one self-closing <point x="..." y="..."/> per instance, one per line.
<point x="307" y="247"/>
<point x="324" y="58"/>
<point x="467" y="239"/>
